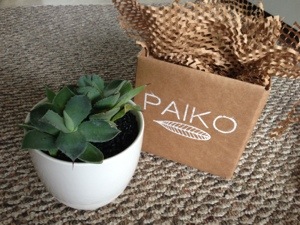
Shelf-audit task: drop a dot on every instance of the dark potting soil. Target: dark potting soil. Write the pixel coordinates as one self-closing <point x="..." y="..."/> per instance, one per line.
<point x="129" y="130"/>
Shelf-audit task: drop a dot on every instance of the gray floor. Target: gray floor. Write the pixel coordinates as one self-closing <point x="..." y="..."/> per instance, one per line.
<point x="54" y="45"/>
<point x="288" y="9"/>
<point x="15" y="3"/>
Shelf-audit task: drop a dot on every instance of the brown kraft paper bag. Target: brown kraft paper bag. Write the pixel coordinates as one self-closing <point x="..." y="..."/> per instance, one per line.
<point x="195" y="118"/>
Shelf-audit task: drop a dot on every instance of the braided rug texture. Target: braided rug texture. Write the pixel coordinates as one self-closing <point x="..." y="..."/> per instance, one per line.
<point x="54" y="46"/>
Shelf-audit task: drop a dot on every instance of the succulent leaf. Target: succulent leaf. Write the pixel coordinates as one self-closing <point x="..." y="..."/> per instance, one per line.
<point x="107" y="115"/>
<point x="35" y="139"/>
<point x="54" y="119"/>
<point x="69" y="123"/>
<point x="28" y="127"/>
<point x="113" y="87"/>
<point x="91" y="80"/>
<point x="50" y="94"/>
<point x="53" y="152"/>
<point x="62" y="97"/>
<point x="98" y="82"/>
<point x="91" y="85"/>
<point x="127" y="86"/>
<point x="107" y="102"/>
<point x="127" y="107"/>
<point x="91" y="154"/>
<point x="35" y="118"/>
<point x="90" y="92"/>
<point x="71" y="144"/>
<point x="76" y="110"/>
<point x="98" y="131"/>
<point x="129" y="95"/>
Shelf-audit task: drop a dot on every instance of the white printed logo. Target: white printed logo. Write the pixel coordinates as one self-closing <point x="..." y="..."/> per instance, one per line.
<point x="184" y="130"/>
<point x="187" y="130"/>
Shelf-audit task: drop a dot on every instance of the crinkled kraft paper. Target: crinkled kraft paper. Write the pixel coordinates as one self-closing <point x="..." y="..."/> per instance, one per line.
<point x="226" y="37"/>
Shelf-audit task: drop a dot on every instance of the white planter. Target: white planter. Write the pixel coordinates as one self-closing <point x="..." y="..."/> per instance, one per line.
<point x="89" y="186"/>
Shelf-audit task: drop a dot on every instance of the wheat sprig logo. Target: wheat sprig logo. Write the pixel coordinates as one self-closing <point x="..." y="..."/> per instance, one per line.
<point x="184" y="130"/>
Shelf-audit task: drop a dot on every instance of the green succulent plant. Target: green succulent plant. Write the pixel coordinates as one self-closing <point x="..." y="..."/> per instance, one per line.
<point x="73" y="119"/>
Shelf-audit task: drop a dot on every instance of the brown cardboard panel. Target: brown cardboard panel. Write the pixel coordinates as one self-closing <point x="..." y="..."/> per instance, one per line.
<point x="199" y="119"/>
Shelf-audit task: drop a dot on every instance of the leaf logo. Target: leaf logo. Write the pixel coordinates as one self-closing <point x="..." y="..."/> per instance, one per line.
<point x="184" y="130"/>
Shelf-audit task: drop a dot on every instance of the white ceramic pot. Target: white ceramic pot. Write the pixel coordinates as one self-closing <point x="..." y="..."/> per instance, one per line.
<point x="88" y="186"/>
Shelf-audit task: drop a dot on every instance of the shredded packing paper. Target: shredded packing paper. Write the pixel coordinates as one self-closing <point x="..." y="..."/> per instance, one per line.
<point x="225" y="37"/>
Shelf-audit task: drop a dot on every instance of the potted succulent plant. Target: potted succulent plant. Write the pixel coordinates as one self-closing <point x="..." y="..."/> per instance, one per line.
<point x="85" y="140"/>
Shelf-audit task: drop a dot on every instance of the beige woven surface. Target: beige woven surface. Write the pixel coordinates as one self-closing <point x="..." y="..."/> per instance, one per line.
<point x="54" y="46"/>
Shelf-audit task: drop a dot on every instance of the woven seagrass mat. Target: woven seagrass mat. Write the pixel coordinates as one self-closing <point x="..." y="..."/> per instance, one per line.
<point x="55" y="45"/>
